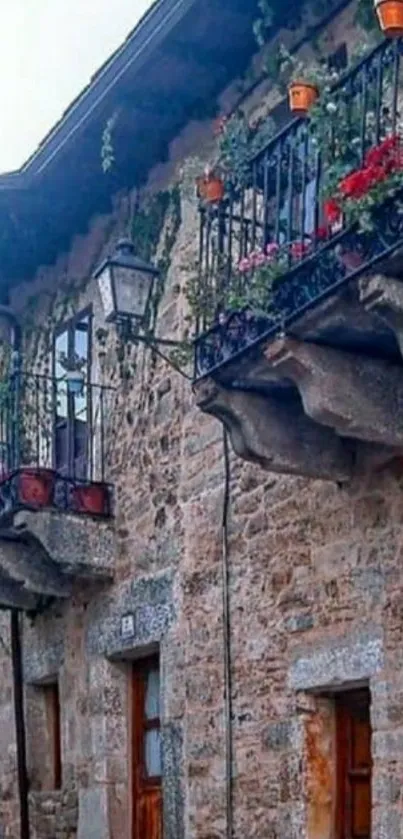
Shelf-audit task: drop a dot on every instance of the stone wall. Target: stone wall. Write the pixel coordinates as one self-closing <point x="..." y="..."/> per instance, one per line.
<point x="315" y="586"/>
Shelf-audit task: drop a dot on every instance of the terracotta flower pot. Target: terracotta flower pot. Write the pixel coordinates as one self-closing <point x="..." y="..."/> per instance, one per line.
<point x="210" y="189"/>
<point x="92" y="499"/>
<point x="390" y="16"/>
<point x="36" y="487"/>
<point x="302" y="95"/>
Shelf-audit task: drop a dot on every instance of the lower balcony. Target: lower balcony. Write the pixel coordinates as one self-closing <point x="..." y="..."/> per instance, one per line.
<point x="56" y="503"/>
<point x="300" y="325"/>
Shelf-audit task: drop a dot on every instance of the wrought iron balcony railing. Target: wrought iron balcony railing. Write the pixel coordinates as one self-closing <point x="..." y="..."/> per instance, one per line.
<point x="54" y="445"/>
<point x="283" y="207"/>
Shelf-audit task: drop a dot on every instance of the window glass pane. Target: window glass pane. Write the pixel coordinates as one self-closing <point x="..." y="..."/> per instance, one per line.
<point x="310" y="193"/>
<point x="152" y="753"/>
<point x="81" y="340"/>
<point x="61" y="348"/>
<point x="81" y="348"/>
<point x="152" y="700"/>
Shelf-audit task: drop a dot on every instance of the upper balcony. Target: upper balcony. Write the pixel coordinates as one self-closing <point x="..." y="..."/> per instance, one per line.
<point x="300" y="300"/>
<point x="54" y="438"/>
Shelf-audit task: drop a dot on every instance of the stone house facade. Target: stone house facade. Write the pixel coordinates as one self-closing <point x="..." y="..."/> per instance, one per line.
<point x="260" y="595"/>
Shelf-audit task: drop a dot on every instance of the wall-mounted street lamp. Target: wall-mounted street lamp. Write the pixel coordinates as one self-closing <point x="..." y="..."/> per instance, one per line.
<point x="126" y="285"/>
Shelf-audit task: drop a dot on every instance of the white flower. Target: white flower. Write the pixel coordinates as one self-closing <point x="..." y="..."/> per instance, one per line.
<point x="331" y="107"/>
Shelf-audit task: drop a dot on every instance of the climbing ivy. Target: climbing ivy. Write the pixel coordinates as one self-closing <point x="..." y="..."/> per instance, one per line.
<point x="147" y="225"/>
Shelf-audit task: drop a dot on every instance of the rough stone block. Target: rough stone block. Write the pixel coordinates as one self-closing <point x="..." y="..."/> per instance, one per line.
<point x="356" y="396"/>
<point x="78" y="544"/>
<point x="338" y="662"/>
<point x="151" y="603"/>
<point x="384" y="296"/>
<point x="275" y="433"/>
<point x="93" y="822"/>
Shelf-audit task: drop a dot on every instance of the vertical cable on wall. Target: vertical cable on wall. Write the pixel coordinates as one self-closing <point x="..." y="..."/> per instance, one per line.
<point x="227" y="645"/>
<point x="16" y="654"/>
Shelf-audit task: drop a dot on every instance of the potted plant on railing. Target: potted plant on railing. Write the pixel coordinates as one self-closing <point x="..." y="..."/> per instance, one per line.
<point x="258" y="275"/>
<point x="36" y="486"/>
<point x="390" y="17"/>
<point x="359" y="193"/>
<point x="210" y="186"/>
<point x="305" y="81"/>
<point x="92" y="499"/>
<point x="74" y="374"/>
<point x="239" y="141"/>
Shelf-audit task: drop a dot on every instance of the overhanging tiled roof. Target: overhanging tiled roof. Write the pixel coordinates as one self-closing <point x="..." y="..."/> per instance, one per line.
<point x="170" y="69"/>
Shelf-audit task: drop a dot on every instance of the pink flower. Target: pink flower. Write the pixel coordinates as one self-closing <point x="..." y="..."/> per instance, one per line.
<point x="244" y="265"/>
<point x="259" y="259"/>
<point x="272" y="249"/>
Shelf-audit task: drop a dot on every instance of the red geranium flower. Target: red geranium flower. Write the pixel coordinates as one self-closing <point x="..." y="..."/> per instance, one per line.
<point x="299" y="249"/>
<point x="387" y="155"/>
<point x="321" y="233"/>
<point x="331" y="210"/>
<point x="355" y="185"/>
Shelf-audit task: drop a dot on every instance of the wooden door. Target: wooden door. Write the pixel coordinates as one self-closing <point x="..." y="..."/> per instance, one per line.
<point x="147" y="770"/>
<point x="354" y="765"/>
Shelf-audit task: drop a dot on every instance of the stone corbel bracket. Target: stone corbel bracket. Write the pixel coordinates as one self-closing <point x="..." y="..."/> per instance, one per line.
<point x="384" y="297"/>
<point x="356" y="396"/>
<point x="275" y="433"/>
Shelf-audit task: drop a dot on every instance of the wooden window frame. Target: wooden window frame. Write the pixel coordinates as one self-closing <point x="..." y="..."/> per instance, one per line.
<point x="141" y="724"/>
<point x="68" y="326"/>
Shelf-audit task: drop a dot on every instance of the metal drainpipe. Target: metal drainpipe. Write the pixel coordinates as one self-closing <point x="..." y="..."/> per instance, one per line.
<point x="227" y="646"/>
<point x="16" y="647"/>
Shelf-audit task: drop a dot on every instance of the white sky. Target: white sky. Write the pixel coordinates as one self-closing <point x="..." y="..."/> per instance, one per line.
<point x="48" y="51"/>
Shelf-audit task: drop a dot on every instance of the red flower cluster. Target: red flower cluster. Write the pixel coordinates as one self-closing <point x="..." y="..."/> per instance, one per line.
<point x="387" y="156"/>
<point x="332" y="211"/>
<point x="379" y="163"/>
<point x="358" y="183"/>
<point x="321" y="233"/>
<point x="299" y="249"/>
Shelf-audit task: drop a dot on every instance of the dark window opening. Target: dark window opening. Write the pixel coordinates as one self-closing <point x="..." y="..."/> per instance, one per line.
<point x="72" y="349"/>
<point x="52" y="708"/>
<point x="354" y="765"/>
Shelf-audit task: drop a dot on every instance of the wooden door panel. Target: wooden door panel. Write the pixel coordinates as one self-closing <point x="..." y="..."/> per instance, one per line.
<point x="149" y="814"/>
<point x="360" y="809"/>
<point x="354" y="767"/>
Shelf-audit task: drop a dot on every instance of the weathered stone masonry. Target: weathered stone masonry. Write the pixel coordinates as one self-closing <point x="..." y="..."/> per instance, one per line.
<point x="315" y="584"/>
